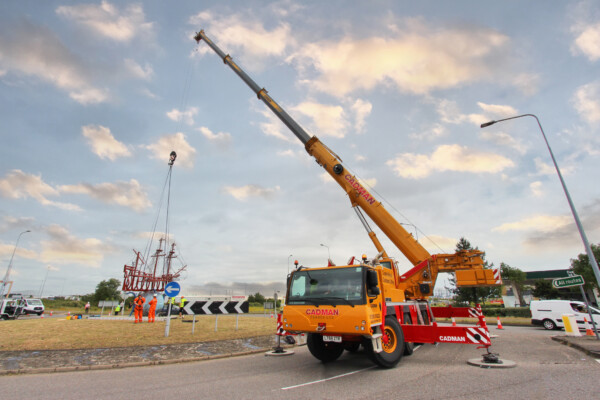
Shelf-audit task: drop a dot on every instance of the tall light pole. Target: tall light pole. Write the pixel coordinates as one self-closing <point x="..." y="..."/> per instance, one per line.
<point x="328" y="254"/>
<point x="44" y="283"/>
<point x="289" y="264"/>
<point x="7" y="275"/>
<point x="588" y="249"/>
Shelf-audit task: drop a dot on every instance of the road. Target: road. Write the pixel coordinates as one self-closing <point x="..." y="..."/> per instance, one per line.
<point x="545" y="369"/>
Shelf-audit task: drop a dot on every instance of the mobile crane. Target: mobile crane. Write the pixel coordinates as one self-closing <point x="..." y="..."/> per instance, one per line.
<point x="370" y="303"/>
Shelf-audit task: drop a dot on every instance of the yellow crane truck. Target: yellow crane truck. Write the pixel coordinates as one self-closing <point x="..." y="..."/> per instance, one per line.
<point x="369" y="302"/>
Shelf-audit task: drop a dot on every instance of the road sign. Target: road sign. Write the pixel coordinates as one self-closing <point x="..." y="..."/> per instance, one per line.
<point x="210" y="307"/>
<point x="172" y="289"/>
<point x="574" y="280"/>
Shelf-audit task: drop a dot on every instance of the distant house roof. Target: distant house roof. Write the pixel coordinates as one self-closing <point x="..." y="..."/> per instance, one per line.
<point x="551" y="274"/>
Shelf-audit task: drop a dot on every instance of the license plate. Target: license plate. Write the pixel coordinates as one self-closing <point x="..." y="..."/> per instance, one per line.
<point x="337" y="339"/>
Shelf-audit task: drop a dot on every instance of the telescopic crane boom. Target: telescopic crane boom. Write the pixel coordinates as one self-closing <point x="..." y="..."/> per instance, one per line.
<point x="417" y="282"/>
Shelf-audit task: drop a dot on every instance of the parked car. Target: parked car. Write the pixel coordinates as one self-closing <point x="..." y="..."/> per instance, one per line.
<point x="548" y="313"/>
<point x="33" y="306"/>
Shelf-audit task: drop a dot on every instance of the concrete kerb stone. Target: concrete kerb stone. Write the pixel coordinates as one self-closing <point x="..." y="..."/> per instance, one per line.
<point x="564" y="340"/>
<point x="23" y="371"/>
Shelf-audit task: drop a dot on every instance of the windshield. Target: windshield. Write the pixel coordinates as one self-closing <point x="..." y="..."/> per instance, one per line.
<point x="331" y="286"/>
<point x="35" y="302"/>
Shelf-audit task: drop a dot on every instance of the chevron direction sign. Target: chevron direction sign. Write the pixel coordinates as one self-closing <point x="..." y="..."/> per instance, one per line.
<point x="209" y="307"/>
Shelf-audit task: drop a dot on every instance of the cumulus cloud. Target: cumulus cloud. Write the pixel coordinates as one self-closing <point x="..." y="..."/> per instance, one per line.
<point x="419" y="61"/>
<point x="146" y="72"/>
<point x="108" y="21"/>
<point x="221" y="139"/>
<point x="9" y="222"/>
<point x="34" y="51"/>
<point x="17" y="184"/>
<point x="242" y="193"/>
<point x="536" y="188"/>
<point x="504" y="139"/>
<point x="448" y="158"/>
<point x="361" y="109"/>
<point x="6" y="250"/>
<point x="326" y="119"/>
<point x="274" y="127"/>
<point x="242" y="36"/>
<point x="543" y="168"/>
<point x="64" y="248"/>
<point x="103" y="143"/>
<point x="185" y="116"/>
<point x="176" y="142"/>
<point x="587" y="41"/>
<point x="127" y="194"/>
<point x="586" y="101"/>
<point x="542" y="223"/>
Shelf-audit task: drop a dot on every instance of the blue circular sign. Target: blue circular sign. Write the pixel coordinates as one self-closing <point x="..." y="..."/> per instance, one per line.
<point x="172" y="289"/>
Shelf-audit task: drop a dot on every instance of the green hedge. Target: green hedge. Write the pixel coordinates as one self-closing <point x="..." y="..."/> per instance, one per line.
<point x="523" y="312"/>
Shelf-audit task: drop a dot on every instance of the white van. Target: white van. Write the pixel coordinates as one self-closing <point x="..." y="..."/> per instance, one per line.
<point x="548" y="313"/>
<point x="33" y="306"/>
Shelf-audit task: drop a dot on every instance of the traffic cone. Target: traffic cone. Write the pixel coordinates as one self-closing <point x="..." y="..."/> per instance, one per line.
<point x="42" y="315"/>
<point x="499" y="324"/>
<point x="453" y="322"/>
<point x="68" y="313"/>
<point x="588" y="328"/>
<point x="50" y="312"/>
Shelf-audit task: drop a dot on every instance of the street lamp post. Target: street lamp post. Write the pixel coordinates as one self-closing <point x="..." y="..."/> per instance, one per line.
<point x="44" y="283"/>
<point x="328" y="253"/>
<point x="289" y="264"/>
<point x="7" y="275"/>
<point x="588" y="249"/>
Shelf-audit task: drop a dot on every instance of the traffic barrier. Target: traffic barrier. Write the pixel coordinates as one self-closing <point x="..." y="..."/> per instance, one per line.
<point x="453" y="322"/>
<point x="499" y="326"/>
<point x="588" y="328"/>
<point x="571" y="328"/>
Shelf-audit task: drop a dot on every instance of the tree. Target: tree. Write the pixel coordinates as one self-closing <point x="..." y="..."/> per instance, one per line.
<point x="256" y="298"/>
<point x="516" y="277"/>
<point x="108" y="290"/>
<point x="544" y="290"/>
<point x="475" y="295"/>
<point x="581" y="266"/>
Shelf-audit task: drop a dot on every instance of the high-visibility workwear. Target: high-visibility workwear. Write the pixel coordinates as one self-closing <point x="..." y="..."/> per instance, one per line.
<point x="152" y="310"/>
<point x="138" y="303"/>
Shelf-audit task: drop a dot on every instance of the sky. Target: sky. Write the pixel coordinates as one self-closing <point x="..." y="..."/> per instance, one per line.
<point x="94" y="95"/>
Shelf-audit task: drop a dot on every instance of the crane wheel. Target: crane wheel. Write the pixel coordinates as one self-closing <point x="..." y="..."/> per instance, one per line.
<point x="324" y="351"/>
<point x="392" y="344"/>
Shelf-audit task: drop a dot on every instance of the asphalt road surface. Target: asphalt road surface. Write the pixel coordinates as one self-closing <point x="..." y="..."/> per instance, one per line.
<point x="545" y="369"/>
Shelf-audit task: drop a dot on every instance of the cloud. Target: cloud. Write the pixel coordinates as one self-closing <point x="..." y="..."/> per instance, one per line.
<point x="146" y="72"/>
<point x="587" y="41"/>
<point x="361" y="110"/>
<point x="10" y="222"/>
<point x="536" y="188"/>
<point x="242" y="193"/>
<point x="17" y="184"/>
<point x="64" y="248"/>
<point x="108" y="21"/>
<point x="176" y="142"/>
<point x="419" y="61"/>
<point x="185" y="116"/>
<point x="6" y="250"/>
<point x="241" y="35"/>
<point x="221" y="139"/>
<point x="543" y="168"/>
<point x="36" y="51"/>
<point x="586" y="101"/>
<point x="326" y="119"/>
<point x="273" y="126"/>
<point x="448" y="158"/>
<point x="541" y="223"/>
<point x="504" y="139"/>
<point x="103" y="143"/>
<point x="127" y="194"/>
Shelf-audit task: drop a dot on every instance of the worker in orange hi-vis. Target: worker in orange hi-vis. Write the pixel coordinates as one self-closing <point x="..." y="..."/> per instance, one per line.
<point x="138" y="304"/>
<point x="152" y="310"/>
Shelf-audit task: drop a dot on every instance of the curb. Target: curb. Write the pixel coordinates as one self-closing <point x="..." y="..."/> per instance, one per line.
<point x="23" y="371"/>
<point x="576" y="346"/>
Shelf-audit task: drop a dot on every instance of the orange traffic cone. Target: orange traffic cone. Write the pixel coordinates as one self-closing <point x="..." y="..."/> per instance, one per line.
<point x="499" y="324"/>
<point x="50" y="312"/>
<point x="68" y="313"/>
<point x="42" y="315"/>
<point x="588" y="328"/>
<point x="453" y="322"/>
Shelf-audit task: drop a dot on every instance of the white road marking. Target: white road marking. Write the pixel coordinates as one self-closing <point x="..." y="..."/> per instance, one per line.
<point x="327" y="379"/>
<point x="597" y="360"/>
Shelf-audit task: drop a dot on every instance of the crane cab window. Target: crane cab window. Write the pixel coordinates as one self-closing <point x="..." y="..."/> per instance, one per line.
<point x="386" y="264"/>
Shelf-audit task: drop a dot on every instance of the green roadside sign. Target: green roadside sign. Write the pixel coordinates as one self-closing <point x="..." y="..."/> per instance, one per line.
<point x="574" y="280"/>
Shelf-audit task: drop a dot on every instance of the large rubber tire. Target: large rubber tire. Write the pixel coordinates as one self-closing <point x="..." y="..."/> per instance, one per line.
<point x="392" y="344"/>
<point x="409" y="348"/>
<point x="549" y="324"/>
<point x="324" y="351"/>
